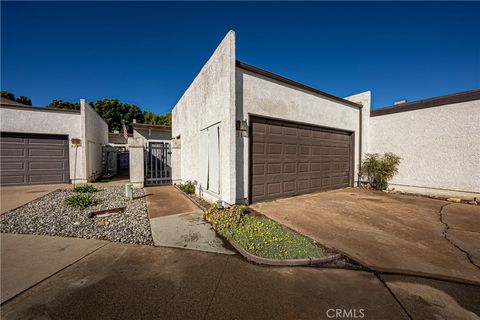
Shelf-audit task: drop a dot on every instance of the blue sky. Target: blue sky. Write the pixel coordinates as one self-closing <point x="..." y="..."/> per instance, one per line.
<point x="148" y="53"/>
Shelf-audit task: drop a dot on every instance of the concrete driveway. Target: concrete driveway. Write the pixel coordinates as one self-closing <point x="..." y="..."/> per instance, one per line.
<point x="16" y="196"/>
<point x="389" y="232"/>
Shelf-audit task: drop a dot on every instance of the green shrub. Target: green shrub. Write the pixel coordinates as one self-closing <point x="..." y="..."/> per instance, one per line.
<point x="260" y="236"/>
<point x="223" y="220"/>
<point x="377" y="170"/>
<point x="188" y="187"/>
<point x="81" y="200"/>
<point x="86" y="188"/>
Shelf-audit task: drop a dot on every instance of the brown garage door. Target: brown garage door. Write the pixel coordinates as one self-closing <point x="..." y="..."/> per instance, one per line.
<point x="289" y="159"/>
<point x="33" y="159"/>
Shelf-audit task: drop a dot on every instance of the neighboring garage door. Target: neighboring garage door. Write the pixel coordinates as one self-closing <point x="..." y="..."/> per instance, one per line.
<point x="33" y="159"/>
<point x="289" y="159"/>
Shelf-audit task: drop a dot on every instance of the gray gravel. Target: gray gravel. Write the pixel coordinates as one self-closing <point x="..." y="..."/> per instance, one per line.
<point x="49" y="215"/>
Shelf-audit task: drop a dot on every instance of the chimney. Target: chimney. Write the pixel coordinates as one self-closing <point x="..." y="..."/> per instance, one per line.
<point x="400" y="102"/>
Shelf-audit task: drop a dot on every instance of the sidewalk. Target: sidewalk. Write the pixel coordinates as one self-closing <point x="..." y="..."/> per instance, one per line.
<point x="177" y="222"/>
<point x="26" y="260"/>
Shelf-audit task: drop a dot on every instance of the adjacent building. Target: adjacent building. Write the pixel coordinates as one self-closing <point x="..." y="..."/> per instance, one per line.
<point x="45" y="145"/>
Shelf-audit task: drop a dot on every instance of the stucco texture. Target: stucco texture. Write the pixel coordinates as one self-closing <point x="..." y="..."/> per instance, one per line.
<point x="86" y="125"/>
<point x="262" y="96"/>
<point x="209" y="100"/>
<point x="439" y="146"/>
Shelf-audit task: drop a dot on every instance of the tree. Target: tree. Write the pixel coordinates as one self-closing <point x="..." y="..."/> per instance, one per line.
<point x="21" y="99"/>
<point x="114" y="112"/>
<point x="8" y="95"/>
<point x="60" y="104"/>
<point x="151" y="118"/>
<point x="24" y="100"/>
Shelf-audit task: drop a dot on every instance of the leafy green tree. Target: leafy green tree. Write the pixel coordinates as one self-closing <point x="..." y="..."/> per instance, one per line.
<point x="8" y="95"/>
<point x="151" y="118"/>
<point x="60" y="104"/>
<point x="24" y="100"/>
<point x="114" y="112"/>
<point x="21" y="99"/>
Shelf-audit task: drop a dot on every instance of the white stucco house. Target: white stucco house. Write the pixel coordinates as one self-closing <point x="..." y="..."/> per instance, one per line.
<point x="244" y="134"/>
<point x="46" y="145"/>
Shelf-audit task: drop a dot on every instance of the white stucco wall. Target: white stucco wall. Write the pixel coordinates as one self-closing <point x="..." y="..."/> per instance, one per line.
<point x="95" y="135"/>
<point x="439" y="146"/>
<point x="209" y="100"/>
<point x="364" y="99"/>
<point x="262" y="96"/>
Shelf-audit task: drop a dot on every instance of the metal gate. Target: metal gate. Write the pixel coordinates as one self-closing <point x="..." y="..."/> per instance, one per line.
<point x="158" y="163"/>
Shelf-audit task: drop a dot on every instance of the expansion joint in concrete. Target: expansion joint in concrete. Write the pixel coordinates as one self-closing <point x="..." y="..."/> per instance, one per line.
<point x="393" y="295"/>
<point x="445" y="235"/>
<point x="216" y="288"/>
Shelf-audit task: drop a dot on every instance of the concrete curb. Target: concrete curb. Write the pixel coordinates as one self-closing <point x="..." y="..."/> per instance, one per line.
<point x="283" y="262"/>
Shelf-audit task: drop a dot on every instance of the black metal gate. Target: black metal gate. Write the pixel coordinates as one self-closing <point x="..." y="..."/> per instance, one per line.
<point x="158" y="163"/>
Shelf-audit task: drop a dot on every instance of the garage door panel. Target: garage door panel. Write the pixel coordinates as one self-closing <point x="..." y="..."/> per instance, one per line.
<point x="13" y="166"/>
<point x="51" y="165"/>
<point x="46" y="178"/>
<point x="46" y="153"/>
<point x="14" y="179"/>
<point x="33" y="159"/>
<point x="289" y="159"/>
<point x="13" y="152"/>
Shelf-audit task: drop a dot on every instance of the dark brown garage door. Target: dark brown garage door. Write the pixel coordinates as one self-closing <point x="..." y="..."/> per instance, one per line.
<point x="33" y="159"/>
<point x="289" y="159"/>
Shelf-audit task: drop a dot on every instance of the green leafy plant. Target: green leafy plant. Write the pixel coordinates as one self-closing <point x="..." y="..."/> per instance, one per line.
<point x="260" y="236"/>
<point x="188" y="187"/>
<point x="377" y="170"/>
<point x="86" y="188"/>
<point x="81" y="200"/>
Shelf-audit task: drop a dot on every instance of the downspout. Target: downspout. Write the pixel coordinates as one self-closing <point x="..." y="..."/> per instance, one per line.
<point x="360" y="146"/>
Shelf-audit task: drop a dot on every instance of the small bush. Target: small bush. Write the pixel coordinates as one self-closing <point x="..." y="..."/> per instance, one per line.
<point x="80" y="200"/>
<point x="86" y="188"/>
<point x="224" y="219"/>
<point x="260" y="236"/>
<point x="377" y="170"/>
<point x="188" y="187"/>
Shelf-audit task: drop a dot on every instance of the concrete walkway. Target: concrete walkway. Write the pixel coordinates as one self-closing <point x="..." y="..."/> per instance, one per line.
<point x="389" y="232"/>
<point x="177" y="222"/>
<point x="16" y="196"/>
<point x="26" y="260"/>
<point x="121" y="281"/>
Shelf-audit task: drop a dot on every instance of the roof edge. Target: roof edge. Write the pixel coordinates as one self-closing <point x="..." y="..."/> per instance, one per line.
<point x="458" y="97"/>
<point x="152" y="126"/>
<point x="44" y="109"/>
<point x="293" y="83"/>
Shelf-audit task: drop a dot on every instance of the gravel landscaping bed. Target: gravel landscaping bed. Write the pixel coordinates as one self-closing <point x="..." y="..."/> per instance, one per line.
<point x="49" y="215"/>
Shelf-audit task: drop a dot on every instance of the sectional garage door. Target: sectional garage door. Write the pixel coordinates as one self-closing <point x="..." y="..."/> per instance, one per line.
<point x="33" y="159"/>
<point x="289" y="159"/>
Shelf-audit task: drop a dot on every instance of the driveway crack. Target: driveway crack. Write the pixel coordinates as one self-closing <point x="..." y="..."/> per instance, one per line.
<point x="216" y="287"/>
<point x="445" y="235"/>
<point x="393" y="295"/>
